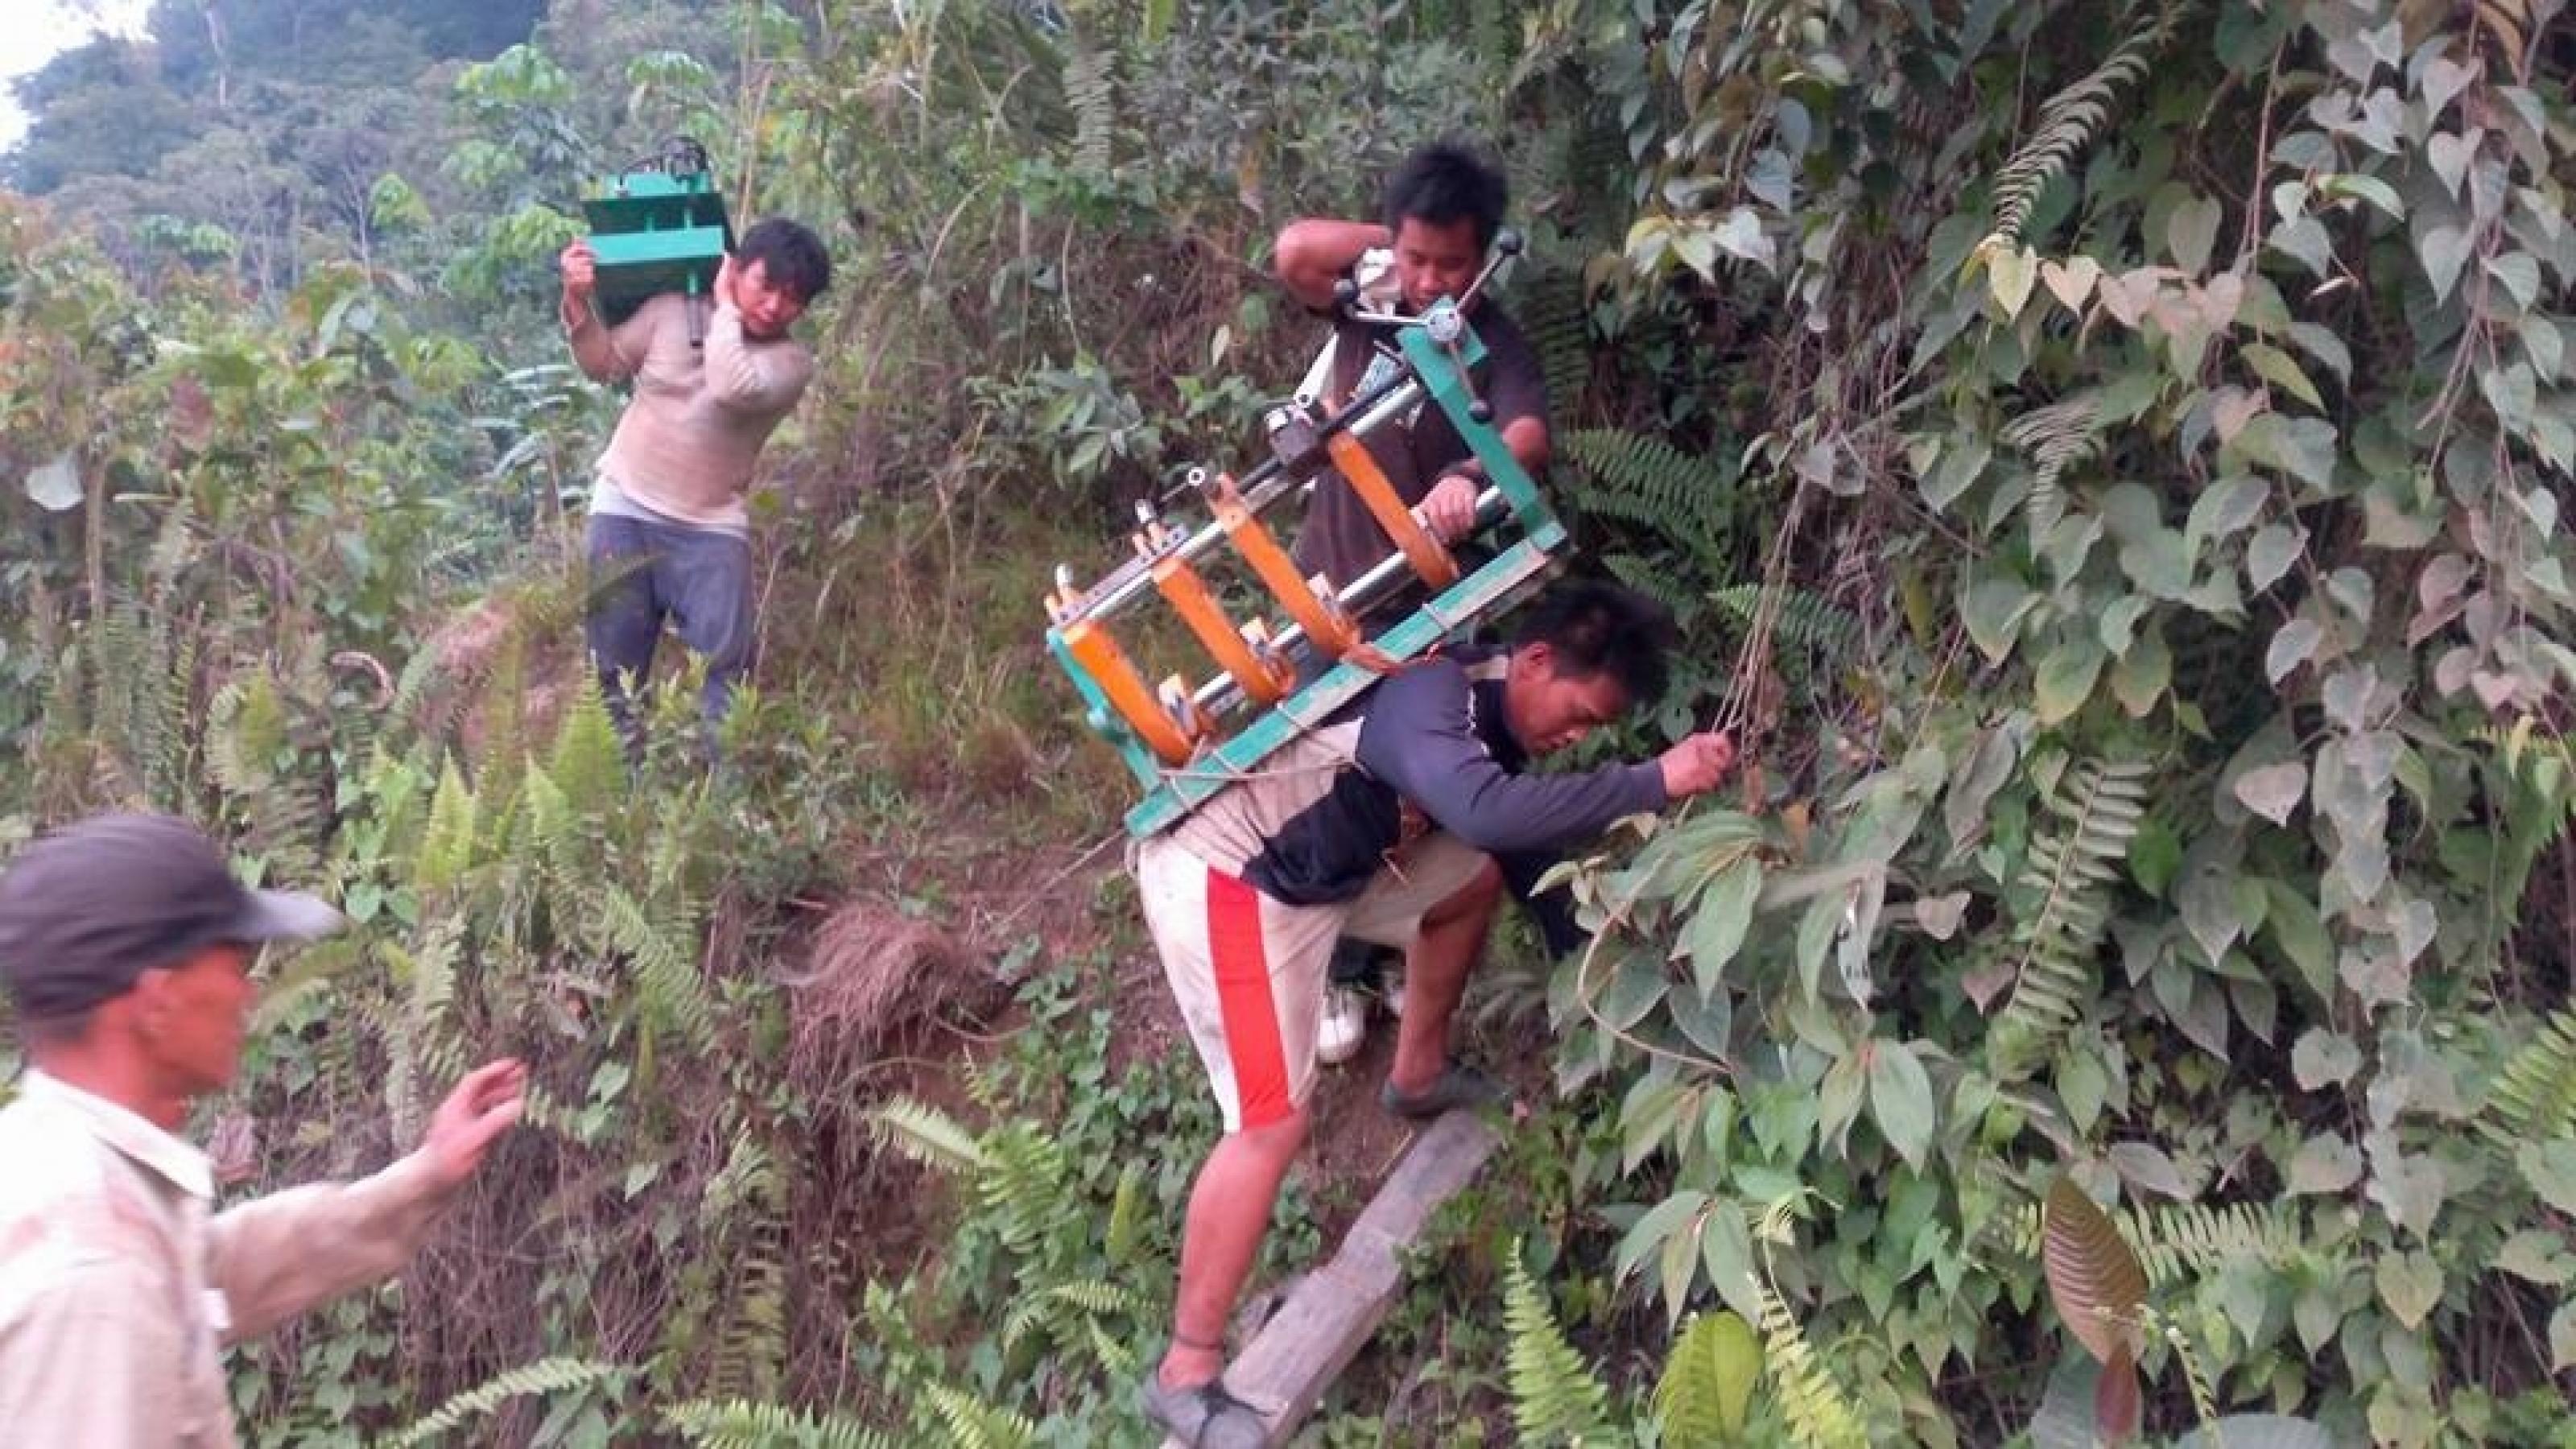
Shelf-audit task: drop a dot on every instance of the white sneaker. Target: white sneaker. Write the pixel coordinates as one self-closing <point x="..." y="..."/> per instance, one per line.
<point x="1344" y="1028"/>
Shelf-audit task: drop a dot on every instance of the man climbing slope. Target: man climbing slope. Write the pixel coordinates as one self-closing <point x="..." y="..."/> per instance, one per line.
<point x="1378" y="825"/>
<point x="669" y="534"/>
<point x="1440" y="213"/>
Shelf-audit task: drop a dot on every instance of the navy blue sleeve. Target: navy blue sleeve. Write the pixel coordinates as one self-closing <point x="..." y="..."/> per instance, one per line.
<point x="1419" y="738"/>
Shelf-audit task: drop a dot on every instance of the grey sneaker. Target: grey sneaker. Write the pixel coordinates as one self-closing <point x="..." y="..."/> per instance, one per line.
<point x="1203" y="1416"/>
<point x="1458" y="1085"/>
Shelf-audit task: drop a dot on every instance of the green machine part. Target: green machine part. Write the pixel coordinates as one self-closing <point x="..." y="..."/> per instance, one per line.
<point x="654" y="232"/>
<point x="1512" y="575"/>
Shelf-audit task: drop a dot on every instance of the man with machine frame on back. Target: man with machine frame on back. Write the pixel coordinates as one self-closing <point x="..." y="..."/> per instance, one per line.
<point x="1443" y="213"/>
<point x="668" y="526"/>
<point x="1379" y="824"/>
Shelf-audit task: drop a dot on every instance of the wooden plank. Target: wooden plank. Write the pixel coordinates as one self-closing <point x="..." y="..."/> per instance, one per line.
<point x="1333" y="1310"/>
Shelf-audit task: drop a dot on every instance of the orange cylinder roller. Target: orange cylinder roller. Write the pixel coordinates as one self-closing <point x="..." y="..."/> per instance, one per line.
<point x="1368" y="480"/>
<point x="1265" y="681"/>
<point x="1109" y="667"/>
<point x="1328" y="628"/>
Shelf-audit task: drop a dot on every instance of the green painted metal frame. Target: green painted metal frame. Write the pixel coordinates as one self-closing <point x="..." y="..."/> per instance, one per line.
<point x="655" y="232"/>
<point x="1172" y="794"/>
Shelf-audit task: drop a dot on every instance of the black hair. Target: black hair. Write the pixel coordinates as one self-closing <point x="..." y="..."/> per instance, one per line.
<point x="1448" y="182"/>
<point x="791" y="256"/>
<point x="1592" y="626"/>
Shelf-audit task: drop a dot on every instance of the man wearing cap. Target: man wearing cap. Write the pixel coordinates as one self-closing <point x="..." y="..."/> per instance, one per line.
<point x="127" y="946"/>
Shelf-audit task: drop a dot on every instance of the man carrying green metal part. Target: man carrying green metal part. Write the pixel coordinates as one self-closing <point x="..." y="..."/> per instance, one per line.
<point x="1380" y="825"/>
<point x="669" y="533"/>
<point x="1443" y="209"/>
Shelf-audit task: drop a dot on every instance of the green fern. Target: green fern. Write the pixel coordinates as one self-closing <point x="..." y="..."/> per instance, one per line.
<point x="927" y="1135"/>
<point x="2094" y="811"/>
<point x="671" y="993"/>
<point x="545" y="1376"/>
<point x="973" y="1424"/>
<point x="2534" y="1096"/>
<point x="2067" y="123"/>
<point x="1820" y="1414"/>
<point x="2055" y="438"/>
<point x="1555" y="1397"/>
<point x="1549" y="306"/>
<point x="739" y="1424"/>
<point x="2184" y="1243"/>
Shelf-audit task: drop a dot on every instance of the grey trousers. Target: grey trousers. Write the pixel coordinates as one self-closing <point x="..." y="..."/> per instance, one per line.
<point x="645" y="571"/>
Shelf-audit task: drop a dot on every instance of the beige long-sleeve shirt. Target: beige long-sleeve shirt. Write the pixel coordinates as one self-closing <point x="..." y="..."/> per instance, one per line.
<point x="118" y="1286"/>
<point x="686" y="444"/>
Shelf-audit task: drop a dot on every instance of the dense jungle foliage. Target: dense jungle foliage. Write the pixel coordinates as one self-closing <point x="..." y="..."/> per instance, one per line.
<point x="2108" y="459"/>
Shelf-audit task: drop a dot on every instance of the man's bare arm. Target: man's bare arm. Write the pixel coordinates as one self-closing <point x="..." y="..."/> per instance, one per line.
<point x="1312" y="254"/>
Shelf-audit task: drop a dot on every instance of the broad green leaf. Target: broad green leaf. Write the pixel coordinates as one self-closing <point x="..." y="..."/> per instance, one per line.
<point x="1657" y="1226"/>
<point x="2274" y="548"/>
<point x="1717" y="927"/>
<point x="2304" y="448"/>
<point x="2223" y="508"/>
<point x="56" y="486"/>
<point x="1726" y="1250"/>
<point x="2367" y="188"/>
<point x="2274" y="791"/>
<point x="1900" y="1100"/>
<point x="2323" y="1164"/>
<point x="1720" y="1352"/>
<point x="2304" y="239"/>
<point x="2010" y="273"/>
<point x="2190" y="232"/>
<point x="2066" y="676"/>
<point x="2444" y="252"/>
<point x="2294" y="926"/>
<point x="2550" y="1168"/>
<point x="2292" y="645"/>
<point x="2536" y="1255"/>
<point x="1635" y="986"/>
<point x="1993" y="613"/>
<point x="2519" y="273"/>
<point x="2562" y="1337"/>
<point x="2158" y="561"/>
<point x="2323" y="1058"/>
<point x="2410" y="1284"/>
<point x="2274" y="366"/>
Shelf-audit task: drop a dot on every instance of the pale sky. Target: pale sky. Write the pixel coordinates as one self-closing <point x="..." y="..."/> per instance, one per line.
<point x="35" y="31"/>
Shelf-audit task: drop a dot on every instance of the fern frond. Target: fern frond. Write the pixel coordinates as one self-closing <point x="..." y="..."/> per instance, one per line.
<point x="589" y="764"/>
<point x="673" y="996"/>
<point x="2055" y="438"/>
<point x="1556" y="1399"/>
<point x="2067" y="123"/>
<point x="1067" y="1311"/>
<point x="1128" y="1216"/>
<point x="738" y="1424"/>
<point x="2534" y="1097"/>
<point x="2096" y="809"/>
<point x="927" y="1135"/>
<point x="1550" y="308"/>
<point x="447" y="841"/>
<point x="1800" y="619"/>
<point x="1820" y="1415"/>
<point x="545" y="1376"/>
<point x="2184" y="1243"/>
<point x="973" y="1424"/>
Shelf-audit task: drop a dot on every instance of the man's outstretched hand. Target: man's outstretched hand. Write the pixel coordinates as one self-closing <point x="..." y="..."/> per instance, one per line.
<point x="483" y="1106"/>
<point x="1697" y="765"/>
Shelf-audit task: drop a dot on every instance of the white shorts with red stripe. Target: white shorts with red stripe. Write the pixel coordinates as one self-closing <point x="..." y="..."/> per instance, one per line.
<point x="1249" y="971"/>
